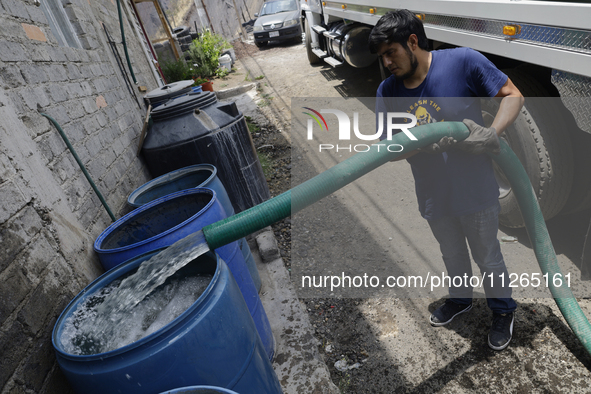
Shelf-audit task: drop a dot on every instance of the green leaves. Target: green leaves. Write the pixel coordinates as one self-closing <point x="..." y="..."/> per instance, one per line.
<point x="176" y="71"/>
<point x="205" y="52"/>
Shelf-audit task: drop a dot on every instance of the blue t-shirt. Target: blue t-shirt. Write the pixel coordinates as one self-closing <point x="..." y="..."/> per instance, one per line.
<point x="452" y="183"/>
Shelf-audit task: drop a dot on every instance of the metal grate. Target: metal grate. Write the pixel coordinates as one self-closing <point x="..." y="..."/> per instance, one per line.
<point x="574" y="40"/>
<point x="575" y="91"/>
<point x="272" y="26"/>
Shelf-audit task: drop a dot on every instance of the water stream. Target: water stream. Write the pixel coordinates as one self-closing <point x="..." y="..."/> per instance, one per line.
<point x="116" y="316"/>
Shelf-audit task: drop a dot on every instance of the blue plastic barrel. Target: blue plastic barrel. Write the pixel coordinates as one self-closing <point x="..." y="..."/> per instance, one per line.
<point x="200" y="390"/>
<point x="162" y="222"/>
<point x="213" y="343"/>
<point x="199" y="175"/>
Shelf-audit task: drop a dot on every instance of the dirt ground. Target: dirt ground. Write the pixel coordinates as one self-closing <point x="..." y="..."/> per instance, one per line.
<point x="377" y="342"/>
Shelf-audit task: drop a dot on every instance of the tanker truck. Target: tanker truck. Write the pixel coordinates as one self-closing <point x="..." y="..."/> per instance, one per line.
<point x="543" y="46"/>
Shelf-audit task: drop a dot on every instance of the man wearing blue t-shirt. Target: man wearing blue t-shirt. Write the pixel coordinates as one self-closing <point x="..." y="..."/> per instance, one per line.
<point x="455" y="184"/>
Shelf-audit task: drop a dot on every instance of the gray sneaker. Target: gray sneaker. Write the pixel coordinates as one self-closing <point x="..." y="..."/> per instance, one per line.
<point x="501" y="330"/>
<point x="446" y="313"/>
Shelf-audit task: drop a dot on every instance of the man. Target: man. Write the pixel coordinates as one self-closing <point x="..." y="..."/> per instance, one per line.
<point x="455" y="184"/>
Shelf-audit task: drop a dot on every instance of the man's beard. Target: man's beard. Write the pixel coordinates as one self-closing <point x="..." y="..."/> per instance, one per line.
<point x="414" y="64"/>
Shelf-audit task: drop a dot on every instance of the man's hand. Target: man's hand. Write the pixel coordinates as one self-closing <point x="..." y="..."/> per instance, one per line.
<point x="444" y="144"/>
<point x="481" y="139"/>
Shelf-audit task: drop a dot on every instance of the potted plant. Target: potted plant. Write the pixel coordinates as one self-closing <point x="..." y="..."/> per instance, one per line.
<point x="205" y="83"/>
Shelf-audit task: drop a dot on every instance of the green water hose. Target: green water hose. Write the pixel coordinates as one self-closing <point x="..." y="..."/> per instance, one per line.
<point x="331" y="180"/>
<point x="81" y="165"/>
<point x="542" y="245"/>
<point x="282" y="206"/>
<point x="124" y="42"/>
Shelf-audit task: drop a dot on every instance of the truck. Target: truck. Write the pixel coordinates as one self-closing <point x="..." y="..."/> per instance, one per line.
<point x="543" y="46"/>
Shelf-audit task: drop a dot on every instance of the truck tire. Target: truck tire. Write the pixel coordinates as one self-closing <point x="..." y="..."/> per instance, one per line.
<point x="185" y="40"/>
<point x="542" y="145"/>
<point x="260" y="43"/>
<point x="181" y="31"/>
<point x="312" y="58"/>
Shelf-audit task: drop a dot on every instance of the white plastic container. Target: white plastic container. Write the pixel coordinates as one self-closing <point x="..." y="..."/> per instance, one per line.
<point x="230" y="51"/>
<point x="226" y="62"/>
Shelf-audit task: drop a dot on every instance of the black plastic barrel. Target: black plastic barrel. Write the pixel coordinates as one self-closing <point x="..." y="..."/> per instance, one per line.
<point x="164" y="93"/>
<point x="197" y="129"/>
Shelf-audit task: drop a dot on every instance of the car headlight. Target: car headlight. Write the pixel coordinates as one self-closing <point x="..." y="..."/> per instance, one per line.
<point x="291" y="22"/>
<point x="257" y="28"/>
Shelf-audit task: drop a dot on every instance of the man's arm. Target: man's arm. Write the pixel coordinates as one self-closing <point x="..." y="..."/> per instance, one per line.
<point x="510" y="106"/>
<point x="486" y="139"/>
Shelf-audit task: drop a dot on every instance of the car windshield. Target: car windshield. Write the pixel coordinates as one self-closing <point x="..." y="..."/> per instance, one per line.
<point x="273" y="7"/>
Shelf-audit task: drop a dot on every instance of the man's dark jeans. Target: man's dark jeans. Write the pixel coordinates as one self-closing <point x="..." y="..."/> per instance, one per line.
<point x="480" y="230"/>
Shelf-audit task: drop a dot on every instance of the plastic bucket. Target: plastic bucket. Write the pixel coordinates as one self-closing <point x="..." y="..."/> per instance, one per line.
<point x="200" y="175"/>
<point x="225" y="62"/>
<point x="231" y="53"/>
<point x="214" y="342"/>
<point x="200" y="390"/>
<point x="165" y="220"/>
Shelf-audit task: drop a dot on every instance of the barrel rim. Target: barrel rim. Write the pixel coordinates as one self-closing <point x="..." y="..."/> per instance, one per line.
<point x="145" y="207"/>
<point x="170" y="176"/>
<point x="166" y="90"/>
<point x="187" y="390"/>
<point x="108" y="277"/>
<point x="183" y="104"/>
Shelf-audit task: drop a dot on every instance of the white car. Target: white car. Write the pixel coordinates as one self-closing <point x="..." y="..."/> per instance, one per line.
<point x="279" y="20"/>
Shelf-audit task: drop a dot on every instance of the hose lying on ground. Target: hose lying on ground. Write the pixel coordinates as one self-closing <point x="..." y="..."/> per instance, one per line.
<point x="541" y="243"/>
<point x="282" y="206"/>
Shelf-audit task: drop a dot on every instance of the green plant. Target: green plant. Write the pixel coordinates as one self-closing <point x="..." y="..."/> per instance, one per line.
<point x="199" y="81"/>
<point x="260" y="77"/>
<point x="205" y="52"/>
<point x="252" y="127"/>
<point x="221" y="72"/>
<point x="221" y="42"/>
<point x="266" y="100"/>
<point x="344" y="382"/>
<point x="176" y="71"/>
<point x="266" y="164"/>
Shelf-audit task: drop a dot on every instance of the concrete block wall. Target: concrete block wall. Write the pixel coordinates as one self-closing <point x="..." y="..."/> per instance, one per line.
<point x="50" y="217"/>
<point x="226" y="16"/>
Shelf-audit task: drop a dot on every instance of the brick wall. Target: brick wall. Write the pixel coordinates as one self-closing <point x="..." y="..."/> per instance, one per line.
<point x="50" y="216"/>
